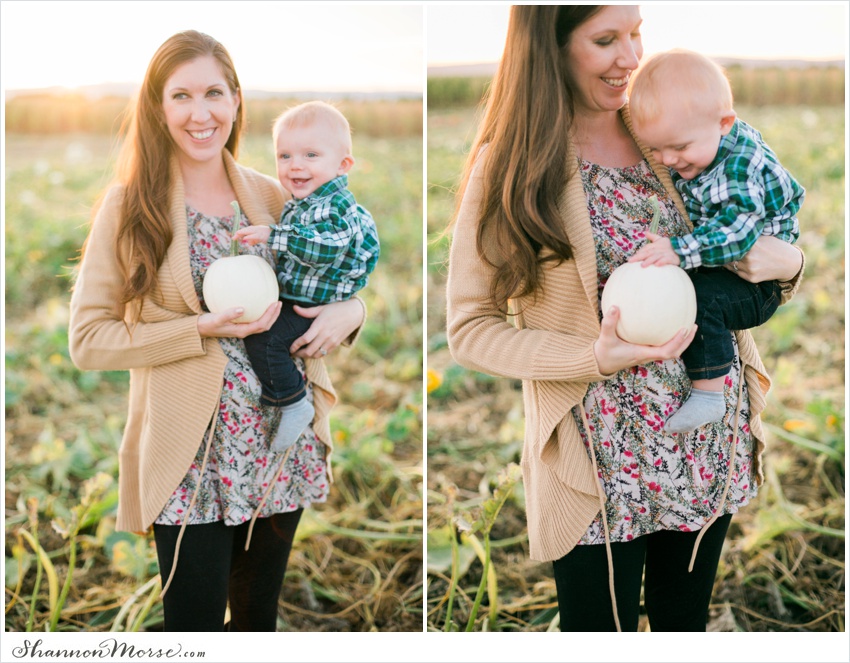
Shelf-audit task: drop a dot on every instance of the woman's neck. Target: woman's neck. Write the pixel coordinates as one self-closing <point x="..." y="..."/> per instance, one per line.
<point x="602" y="138"/>
<point x="206" y="187"/>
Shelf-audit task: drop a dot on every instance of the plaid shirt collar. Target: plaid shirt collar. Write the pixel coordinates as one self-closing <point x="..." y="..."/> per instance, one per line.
<point x="328" y="188"/>
<point x="727" y="144"/>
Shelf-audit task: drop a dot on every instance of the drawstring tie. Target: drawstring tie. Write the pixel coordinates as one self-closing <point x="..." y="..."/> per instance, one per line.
<point x="189" y="510"/>
<point x="195" y="497"/>
<point x="602" y="499"/>
<point x="733" y="451"/>
<point x="266" y="494"/>
<point x="601" y="495"/>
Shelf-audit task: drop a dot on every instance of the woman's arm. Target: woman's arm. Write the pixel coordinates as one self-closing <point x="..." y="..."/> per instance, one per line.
<point x="772" y="259"/>
<point x="333" y="324"/>
<point x="99" y="338"/>
<point x="481" y="338"/>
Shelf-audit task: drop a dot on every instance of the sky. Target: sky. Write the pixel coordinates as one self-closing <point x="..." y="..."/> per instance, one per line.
<point x="809" y="30"/>
<point x="361" y="46"/>
<point x="321" y="46"/>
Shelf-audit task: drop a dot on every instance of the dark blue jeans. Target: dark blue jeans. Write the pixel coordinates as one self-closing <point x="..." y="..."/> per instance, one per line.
<point x="725" y="302"/>
<point x="268" y="351"/>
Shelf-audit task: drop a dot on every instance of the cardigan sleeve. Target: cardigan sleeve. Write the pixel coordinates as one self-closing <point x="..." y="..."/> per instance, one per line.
<point x="482" y="339"/>
<point x="789" y="288"/>
<point x="99" y="337"/>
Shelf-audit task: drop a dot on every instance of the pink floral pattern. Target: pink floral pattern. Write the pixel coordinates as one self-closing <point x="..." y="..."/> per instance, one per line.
<point x="653" y="480"/>
<point x="241" y="465"/>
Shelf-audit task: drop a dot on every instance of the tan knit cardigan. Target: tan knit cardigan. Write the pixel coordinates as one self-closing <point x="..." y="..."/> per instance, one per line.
<point x="551" y="351"/>
<point x="175" y="375"/>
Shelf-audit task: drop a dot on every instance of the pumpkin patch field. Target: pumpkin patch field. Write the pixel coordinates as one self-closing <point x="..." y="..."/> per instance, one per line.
<point x="783" y="563"/>
<point x="357" y="560"/>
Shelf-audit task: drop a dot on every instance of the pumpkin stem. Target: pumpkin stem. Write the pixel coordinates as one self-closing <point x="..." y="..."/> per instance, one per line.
<point x="656" y="215"/>
<point x="237" y="221"/>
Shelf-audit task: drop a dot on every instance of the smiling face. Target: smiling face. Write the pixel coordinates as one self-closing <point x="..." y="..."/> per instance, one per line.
<point x="310" y="155"/>
<point x="685" y="139"/>
<point x="199" y="109"/>
<point x="600" y="56"/>
<point x="681" y="106"/>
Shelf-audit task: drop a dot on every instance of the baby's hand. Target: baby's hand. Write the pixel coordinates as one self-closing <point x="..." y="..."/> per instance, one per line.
<point x="658" y="252"/>
<point x="253" y="235"/>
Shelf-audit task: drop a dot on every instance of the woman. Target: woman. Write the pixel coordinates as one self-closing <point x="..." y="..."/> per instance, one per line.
<point x="554" y="197"/>
<point x="194" y="460"/>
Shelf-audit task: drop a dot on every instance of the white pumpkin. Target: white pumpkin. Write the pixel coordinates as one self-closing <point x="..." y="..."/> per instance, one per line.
<point x="245" y="281"/>
<point x="655" y="302"/>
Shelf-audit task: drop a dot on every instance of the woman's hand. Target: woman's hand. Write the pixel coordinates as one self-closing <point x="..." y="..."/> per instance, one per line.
<point x="613" y="354"/>
<point x="770" y="259"/>
<point x="332" y="324"/>
<point x="222" y="325"/>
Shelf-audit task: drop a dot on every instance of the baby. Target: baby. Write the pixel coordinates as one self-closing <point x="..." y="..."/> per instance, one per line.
<point x="734" y="189"/>
<point x="326" y="244"/>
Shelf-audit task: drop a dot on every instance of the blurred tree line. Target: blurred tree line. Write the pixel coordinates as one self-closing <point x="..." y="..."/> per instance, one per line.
<point x="47" y="113"/>
<point x="757" y="86"/>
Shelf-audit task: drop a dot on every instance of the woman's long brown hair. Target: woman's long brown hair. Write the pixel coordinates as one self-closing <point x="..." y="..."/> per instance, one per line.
<point x="526" y="131"/>
<point x="144" y="232"/>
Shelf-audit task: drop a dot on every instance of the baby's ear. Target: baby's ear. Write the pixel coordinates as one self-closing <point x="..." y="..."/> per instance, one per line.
<point x="345" y="166"/>
<point x="726" y="121"/>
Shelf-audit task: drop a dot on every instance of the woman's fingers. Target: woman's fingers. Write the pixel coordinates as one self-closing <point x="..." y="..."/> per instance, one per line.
<point x="265" y="321"/>
<point x="317" y="332"/>
<point x="614" y="354"/>
<point x="332" y="324"/>
<point x="223" y="324"/>
<point x="261" y="324"/>
<point x="308" y="311"/>
<point x="610" y="320"/>
<point x="678" y="344"/>
<point x="311" y="343"/>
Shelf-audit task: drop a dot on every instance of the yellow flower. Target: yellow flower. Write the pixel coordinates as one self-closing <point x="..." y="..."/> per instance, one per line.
<point x="434" y="380"/>
<point x="796" y="425"/>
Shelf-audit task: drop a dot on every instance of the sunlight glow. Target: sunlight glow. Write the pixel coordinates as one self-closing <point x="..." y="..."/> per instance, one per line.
<point x="275" y="45"/>
<point x="777" y="30"/>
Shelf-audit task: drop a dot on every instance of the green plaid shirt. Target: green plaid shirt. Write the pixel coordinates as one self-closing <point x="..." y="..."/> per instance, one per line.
<point x="327" y="245"/>
<point x="744" y="193"/>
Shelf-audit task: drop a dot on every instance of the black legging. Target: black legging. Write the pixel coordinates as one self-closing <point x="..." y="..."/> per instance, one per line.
<point x="675" y="599"/>
<point x="213" y="567"/>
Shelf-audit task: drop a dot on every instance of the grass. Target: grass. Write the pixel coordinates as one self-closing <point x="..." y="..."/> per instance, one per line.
<point x="356" y="565"/>
<point x="783" y="565"/>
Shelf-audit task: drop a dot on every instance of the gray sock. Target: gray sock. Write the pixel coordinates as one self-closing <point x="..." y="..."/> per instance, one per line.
<point x="293" y="420"/>
<point x="702" y="407"/>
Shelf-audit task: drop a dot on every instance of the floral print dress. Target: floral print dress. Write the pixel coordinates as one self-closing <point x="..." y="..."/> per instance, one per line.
<point x="240" y="464"/>
<point x="653" y="480"/>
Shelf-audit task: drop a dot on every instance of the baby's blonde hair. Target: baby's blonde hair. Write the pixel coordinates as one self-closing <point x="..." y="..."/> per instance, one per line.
<point x="694" y="81"/>
<point x="310" y="112"/>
